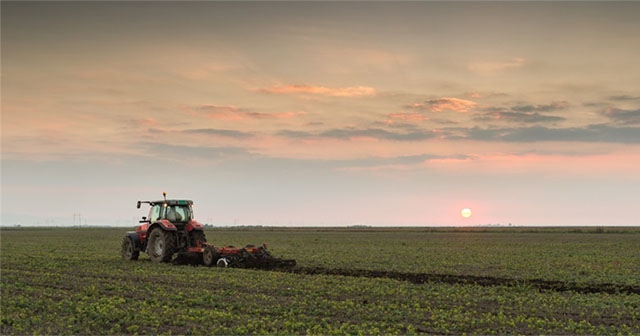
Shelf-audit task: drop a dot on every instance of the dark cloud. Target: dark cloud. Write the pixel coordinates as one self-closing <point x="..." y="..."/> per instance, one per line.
<point x="554" y="106"/>
<point x="377" y="133"/>
<point x="219" y="132"/>
<point x="605" y="133"/>
<point x="219" y="108"/>
<point x="625" y="117"/>
<point x="229" y="112"/>
<point x="591" y="133"/>
<point x="347" y="133"/>
<point x="520" y="117"/>
<point x="624" y="97"/>
<point x="596" y="104"/>
<point x="444" y="104"/>
<point x="295" y="134"/>
<point x="523" y="113"/>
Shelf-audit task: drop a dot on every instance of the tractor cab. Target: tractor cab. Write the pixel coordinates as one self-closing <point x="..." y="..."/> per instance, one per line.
<point x="175" y="211"/>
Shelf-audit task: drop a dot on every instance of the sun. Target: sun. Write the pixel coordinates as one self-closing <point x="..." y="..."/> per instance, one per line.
<point x="466" y="212"/>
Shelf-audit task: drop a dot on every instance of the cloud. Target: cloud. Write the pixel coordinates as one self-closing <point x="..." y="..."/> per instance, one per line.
<point x="219" y="132"/>
<point x="603" y="133"/>
<point x="351" y="91"/>
<point x="625" y="117"/>
<point x="445" y="103"/>
<point x="591" y="133"/>
<point x="523" y="113"/>
<point x="295" y="134"/>
<point x="521" y="117"/>
<point x="624" y="97"/>
<point x="554" y="106"/>
<point x="406" y="116"/>
<point x="495" y="67"/>
<point x="353" y="133"/>
<point x="143" y="122"/>
<point x="235" y="113"/>
<point x="280" y="115"/>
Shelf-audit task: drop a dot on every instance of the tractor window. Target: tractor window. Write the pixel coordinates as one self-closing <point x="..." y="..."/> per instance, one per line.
<point x="185" y="211"/>
<point x="179" y="213"/>
<point x="155" y="213"/>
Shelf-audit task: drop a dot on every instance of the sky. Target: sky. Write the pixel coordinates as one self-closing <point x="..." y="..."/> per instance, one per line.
<point x="322" y="113"/>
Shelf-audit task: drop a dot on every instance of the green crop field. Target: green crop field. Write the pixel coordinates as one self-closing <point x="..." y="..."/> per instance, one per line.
<point x="348" y="281"/>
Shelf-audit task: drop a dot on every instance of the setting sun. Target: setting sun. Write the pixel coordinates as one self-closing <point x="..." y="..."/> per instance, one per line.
<point x="466" y="212"/>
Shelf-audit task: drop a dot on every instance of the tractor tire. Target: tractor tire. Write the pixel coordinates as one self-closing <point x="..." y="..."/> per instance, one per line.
<point x="209" y="256"/>
<point x="161" y="245"/>
<point x="129" y="251"/>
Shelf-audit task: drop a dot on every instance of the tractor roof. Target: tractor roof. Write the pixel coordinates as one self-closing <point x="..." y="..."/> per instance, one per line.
<point x="168" y="202"/>
<point x="173" y="202"/>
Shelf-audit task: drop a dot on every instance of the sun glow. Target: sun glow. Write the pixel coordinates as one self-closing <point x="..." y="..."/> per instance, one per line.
<point x="466" y="212"/>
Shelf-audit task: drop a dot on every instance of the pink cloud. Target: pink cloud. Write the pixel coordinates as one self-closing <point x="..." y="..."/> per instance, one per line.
<point x="351" y="91"/>
<point x="445" y="103"/>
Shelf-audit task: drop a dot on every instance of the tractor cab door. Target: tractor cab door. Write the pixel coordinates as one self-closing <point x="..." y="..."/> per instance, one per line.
<point x="156" y="213"/>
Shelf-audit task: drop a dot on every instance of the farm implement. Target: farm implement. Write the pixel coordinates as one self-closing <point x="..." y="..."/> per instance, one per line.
<point x="170" y="230"/>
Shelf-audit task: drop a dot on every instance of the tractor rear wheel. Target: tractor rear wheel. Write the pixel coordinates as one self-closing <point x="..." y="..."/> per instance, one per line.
<point x="161" y="245"/>
<point x="129" y="251"/>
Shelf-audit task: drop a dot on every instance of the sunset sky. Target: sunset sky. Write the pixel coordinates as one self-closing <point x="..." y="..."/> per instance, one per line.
<point x="338" y="113"/>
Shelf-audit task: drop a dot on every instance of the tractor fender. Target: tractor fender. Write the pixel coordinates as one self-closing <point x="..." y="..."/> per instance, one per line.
<point x="165" y="224"/>
<point x="135" y="239"/>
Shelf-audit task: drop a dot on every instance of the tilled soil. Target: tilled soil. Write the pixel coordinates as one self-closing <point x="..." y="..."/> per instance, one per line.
<point x="420" y="278"/>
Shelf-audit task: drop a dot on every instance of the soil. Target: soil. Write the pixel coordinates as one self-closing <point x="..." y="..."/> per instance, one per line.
<point x="420" y="278"/>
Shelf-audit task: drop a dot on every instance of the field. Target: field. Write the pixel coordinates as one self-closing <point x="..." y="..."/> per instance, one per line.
<point x="348" y="281"/>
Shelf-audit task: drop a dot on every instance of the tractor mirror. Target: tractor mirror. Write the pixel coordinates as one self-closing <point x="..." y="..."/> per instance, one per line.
<point x="138" y="204"/>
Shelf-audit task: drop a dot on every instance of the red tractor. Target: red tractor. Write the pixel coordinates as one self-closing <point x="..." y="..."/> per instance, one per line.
<point x="170" y="229"/>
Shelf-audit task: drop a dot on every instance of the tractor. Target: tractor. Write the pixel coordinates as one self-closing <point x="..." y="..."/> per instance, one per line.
<point x="170" y="229"/>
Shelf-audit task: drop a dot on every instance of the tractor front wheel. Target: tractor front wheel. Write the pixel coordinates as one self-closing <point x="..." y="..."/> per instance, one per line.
<point x="161" y="245"/>
<point x="129" y="251"/>
<point x="209" y="256"/>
